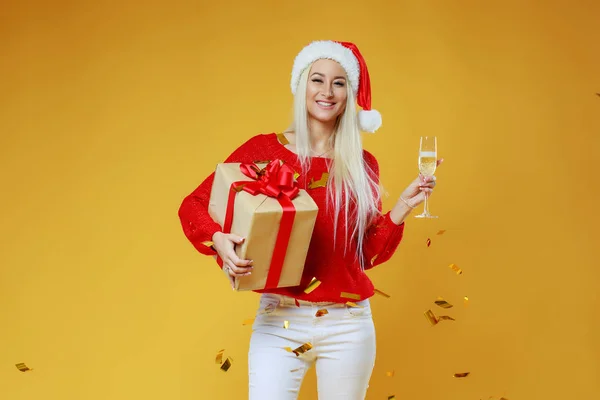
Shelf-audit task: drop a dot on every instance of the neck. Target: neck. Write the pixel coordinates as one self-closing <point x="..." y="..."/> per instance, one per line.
<point x="319" y="134"/>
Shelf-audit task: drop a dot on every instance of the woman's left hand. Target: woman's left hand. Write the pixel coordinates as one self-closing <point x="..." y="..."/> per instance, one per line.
<point x="415" y="193"/>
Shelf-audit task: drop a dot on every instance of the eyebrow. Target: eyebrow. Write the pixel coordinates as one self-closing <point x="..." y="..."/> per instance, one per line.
<point x="336" y="77"/>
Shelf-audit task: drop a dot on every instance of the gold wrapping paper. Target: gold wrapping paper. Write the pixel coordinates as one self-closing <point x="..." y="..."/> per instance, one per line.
<point x="257" y="219"/>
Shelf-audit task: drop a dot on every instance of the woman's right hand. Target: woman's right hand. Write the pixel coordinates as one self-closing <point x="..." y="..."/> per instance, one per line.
<point x="224" y="244"/>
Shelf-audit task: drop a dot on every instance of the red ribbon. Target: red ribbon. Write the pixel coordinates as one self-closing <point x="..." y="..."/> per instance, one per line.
<point x="275" y="180"/>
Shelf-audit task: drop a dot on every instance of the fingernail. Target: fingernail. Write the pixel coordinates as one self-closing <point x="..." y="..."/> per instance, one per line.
<point x="247" y="273"/>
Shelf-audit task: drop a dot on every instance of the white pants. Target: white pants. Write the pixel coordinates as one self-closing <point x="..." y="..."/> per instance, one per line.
<point x="343" y="349"/>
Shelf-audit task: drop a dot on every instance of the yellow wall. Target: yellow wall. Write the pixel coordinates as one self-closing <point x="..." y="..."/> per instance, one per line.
<point x="110" y="114"/>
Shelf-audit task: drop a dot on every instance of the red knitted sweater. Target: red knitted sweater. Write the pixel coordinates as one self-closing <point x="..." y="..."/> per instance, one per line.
<point x="338" y="272"/>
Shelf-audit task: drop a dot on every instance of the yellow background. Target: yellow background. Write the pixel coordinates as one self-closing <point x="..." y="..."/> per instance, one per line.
<point x="111" y="113"/>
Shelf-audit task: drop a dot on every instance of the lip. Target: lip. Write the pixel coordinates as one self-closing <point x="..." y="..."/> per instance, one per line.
<point x="325" y="107"/>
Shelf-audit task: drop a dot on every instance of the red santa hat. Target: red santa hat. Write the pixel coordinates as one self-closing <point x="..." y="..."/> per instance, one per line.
<point x="348" y="56"/>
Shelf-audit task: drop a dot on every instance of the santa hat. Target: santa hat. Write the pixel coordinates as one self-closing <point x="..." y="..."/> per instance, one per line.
<point x="348" y="56"/>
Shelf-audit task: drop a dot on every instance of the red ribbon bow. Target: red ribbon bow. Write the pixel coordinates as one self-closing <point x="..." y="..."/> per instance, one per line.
<point x="275" y="180"/>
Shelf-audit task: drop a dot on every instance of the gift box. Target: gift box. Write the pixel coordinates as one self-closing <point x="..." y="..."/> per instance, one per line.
<point x="263" y="203"/>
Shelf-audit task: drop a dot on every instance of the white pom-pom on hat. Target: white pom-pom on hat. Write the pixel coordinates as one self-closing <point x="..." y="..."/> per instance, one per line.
<point x="348" y="56"/>
<point x="369" y="120"/>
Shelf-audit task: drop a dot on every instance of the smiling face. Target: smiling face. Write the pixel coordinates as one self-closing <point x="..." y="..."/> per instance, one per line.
<point x="326" y="91"/>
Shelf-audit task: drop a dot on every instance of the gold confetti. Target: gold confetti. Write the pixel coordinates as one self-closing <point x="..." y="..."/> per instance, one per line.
<point x="288" y="349"/>
<point x="382" y="293"/>
<point x="23" y="368"/>
<point x="390" y="373"/>
<point x="219" y="358"/>
<point x="282" y="139"/>
<point x="320" y="183"/>
<point x="445" y="317"/>
<point x="441" y="232"/>
<point x="431" y="317"/>
<point x="443" y="303"/>
<point x="286" y="324"/>
<point x="248" y="321"/>
<point x="455" y="268"/>
<point x="350" y="295"/>
<point x="466" y="302"/>
<point x="262" y="161"/>
<point x="314" y="283"/>
<point x="392" y="397"/>
<point x="321" y="312"/>
<point x="351" y="304"/>
<point x="461" y="374"/>
<point x="226" y="365"/>
<point x="296" y="175"/>
<point x="302" y="349"/>
<point x="208" y="244"/>
<point x="374" y="258"/>
<point x="428" y="242"/>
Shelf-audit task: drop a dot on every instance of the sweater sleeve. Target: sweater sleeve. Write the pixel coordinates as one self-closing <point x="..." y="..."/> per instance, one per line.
<point x="383" y="236"/>
<point x="197" y="224"/>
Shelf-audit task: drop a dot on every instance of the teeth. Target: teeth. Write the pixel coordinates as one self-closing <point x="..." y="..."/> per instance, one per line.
<point x="324" y="104"/>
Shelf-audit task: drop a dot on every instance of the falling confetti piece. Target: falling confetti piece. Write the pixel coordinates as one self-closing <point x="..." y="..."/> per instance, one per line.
<point x="382" y="293"/>
<point x="302" y="349"/>
<point x="455" y="268"/>
<point x="314" y="283"/>
<point x="390" y="373"/>
<point x="374" y="258"/>
<point x="288" y="349"/>
<point x="445" y="317"/>
<point x="295" y="370"/>
<point x="597" y="94"/>
<point x="208" y="244"/>
<point x="466" y="302"/>
<point x="297" y="302"/>
<point x="286" y="324"/>
<point x="441" y="232"/>
<point x="350" y="295"/>
<point x="443" y="303"/>
<point x="248" y="321"/>
<point x="226" y="365"/>
<point x="296" y="175"/>
<point x="351" y="304"/>
<point x="320" y="183"/>
<point x="431" y="317"/>
<point x="321" y="312"/>
<point x="219" y="358"/>
<point x="23" y="368"/>
<point x="461" y="374"/>
<point x="428" y="242"/>
<point x="391" y="397"/>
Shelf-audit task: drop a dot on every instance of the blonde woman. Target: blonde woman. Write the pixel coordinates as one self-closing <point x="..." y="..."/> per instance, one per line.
<point x="351" y="233"/>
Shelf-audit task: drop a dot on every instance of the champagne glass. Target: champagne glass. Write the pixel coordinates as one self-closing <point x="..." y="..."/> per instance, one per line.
<point x="427" y="165"/>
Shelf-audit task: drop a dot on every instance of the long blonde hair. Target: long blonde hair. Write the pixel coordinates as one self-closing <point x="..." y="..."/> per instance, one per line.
<point x="350" y="179"/>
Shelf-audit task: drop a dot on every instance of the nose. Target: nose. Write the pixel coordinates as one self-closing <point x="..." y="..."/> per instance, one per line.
<point x="329" y="93"/>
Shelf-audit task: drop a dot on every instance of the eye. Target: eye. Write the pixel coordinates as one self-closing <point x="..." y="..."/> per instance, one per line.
<point x="317" y="80"/>
<point x="339" y="84"/>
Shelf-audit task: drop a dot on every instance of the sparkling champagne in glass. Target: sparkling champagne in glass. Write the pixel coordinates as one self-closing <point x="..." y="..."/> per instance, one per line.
<point x="427" y="164"/>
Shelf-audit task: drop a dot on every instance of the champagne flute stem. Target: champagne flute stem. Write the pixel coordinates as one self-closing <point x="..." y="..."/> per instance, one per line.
<point x="426" y="204"/>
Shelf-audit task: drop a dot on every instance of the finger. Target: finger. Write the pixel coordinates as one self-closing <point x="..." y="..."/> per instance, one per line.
<point x="238" y="271"/>
<point x="235" y="238"/>
<point x="238" y="261"/>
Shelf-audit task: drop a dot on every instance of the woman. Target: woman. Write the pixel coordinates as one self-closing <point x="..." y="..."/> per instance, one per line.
<point x="350" y="236"/>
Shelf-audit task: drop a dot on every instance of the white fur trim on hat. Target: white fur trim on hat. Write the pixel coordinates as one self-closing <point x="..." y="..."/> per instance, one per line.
<point x="329" y="50"/>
